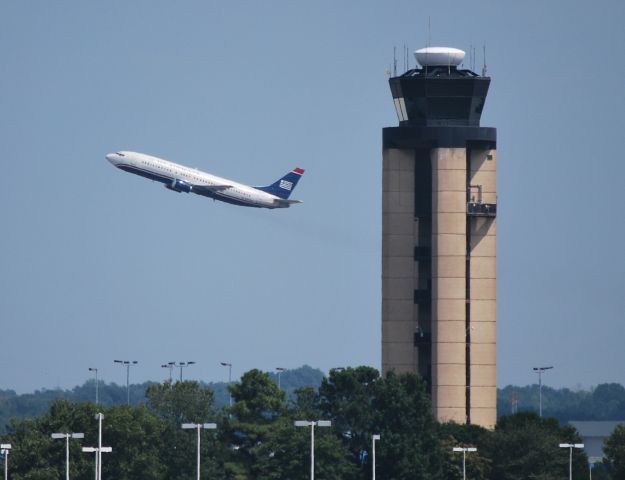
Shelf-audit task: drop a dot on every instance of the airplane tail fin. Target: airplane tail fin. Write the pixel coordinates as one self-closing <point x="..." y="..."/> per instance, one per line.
<point x="283" y="187"/>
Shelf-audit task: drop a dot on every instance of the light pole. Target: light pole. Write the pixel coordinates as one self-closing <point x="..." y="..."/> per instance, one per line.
<point x="67" y="436"/>
<point x="199" y="427"/>
<point x="571" y="446"/>
<point x="127" y="364"/>
<point x="279" y="370"/>
<point x="373" y="439"/>
<point x="464" y="451"/>
<point x="540" y="371"/>
<point x="311" y="424"/>
<point x="181" y="365"/>
<point x="97" y="452"/>
<point x="229" y="365"/>
<point x="5" y="448"/>
<point x="96" y="384"/>
<point x="169" y="365"/>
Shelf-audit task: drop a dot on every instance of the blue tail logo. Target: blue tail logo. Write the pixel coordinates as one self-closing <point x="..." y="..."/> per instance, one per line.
<point x="283" y="187"/>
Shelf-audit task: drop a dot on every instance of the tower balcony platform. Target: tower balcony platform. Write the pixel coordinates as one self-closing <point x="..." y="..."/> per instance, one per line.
<point x="481" y="209"/>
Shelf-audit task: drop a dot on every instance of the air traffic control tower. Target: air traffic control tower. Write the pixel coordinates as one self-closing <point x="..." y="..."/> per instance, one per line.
<point x="439" y="208"/>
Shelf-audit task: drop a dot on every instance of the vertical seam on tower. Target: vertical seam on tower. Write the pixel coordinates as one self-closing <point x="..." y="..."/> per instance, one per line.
<point x="468" y="294"/>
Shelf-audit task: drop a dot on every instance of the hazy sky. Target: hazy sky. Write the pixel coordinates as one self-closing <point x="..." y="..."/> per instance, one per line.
<point x="97" y="264"/>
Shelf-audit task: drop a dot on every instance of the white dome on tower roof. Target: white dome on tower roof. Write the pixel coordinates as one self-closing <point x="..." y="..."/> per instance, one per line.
<point x="439" y="56"/>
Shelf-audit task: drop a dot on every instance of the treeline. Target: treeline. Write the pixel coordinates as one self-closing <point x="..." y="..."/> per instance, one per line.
<point x="34" y="404"/>
<point x="256" y="437"/>
<point x="604" y="402"/>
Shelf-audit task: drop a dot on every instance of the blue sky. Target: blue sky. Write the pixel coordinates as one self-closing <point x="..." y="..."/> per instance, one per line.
<point x="96" y="264"/>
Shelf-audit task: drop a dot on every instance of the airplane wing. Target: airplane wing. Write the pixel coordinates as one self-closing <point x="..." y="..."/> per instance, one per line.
<point x="210" y="188"/>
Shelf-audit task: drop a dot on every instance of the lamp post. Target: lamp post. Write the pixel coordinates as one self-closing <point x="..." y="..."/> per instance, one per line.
<point x="127" y="364"/>
<point x="67" y="436"/>
<point x="279" y="370"/>
<point x="311" y="424"/>
<point x="182" y="365"/>
<point x="464" y="451"/>
<point x="199" y="427"/>
<point x="96" y="384"/>
<point x="571" y="446"/>
<point x="98" y="452"/>
<point x="229" y="365"/>
<point x="373" y="439"/>
<point x="5" y="448"/>
<point x="540" y="371"/>
<point x="169" y="365"/>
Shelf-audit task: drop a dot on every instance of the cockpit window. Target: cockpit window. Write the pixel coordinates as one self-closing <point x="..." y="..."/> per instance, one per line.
<point x="120" y="154"/>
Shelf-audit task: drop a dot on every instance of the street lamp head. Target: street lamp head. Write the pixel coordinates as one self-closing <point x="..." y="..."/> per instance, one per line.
<point x="376" y="436"/>
<point x="190" y="363"/>
<point x="226" y="364"/>
<point x="302" y="423"/>
<point x="188" y="426"/>
<point x="324" y="423"/>
<point x="280" y="369"/>
<point x="78" y="435"/>
<point x="58" y="435"/>
<point x="465" y="449"/>
<point x="93" y="369"/>
<point x="5" y="446"/>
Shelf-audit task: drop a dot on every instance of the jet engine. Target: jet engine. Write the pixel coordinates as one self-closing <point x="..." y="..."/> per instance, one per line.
<point x="178" y="185"/>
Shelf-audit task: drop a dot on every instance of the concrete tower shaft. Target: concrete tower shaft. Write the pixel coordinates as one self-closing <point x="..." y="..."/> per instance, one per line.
<point x="438" y="245"/>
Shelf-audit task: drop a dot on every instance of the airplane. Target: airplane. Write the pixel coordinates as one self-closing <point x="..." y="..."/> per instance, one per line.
<point x="180" y="178"/>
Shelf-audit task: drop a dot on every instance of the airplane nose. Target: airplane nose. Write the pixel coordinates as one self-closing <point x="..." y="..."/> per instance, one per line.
<point x="111" y="158"/>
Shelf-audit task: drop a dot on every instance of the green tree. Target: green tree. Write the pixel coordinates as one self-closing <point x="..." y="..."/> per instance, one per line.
<point x="346" y="397"/>
<point x="397" y="407"/>
<point x="409" y="445"/>
<point x="526" y="446"/>
<point x="478" y="463"/>
<point x="181" y="402"/>
<point x="36" y="456"/>
<point x="187" y="402"/>
<point x="258" y="402"/>
<point x="614" y="449"/>
<point x="138" y="440"/>
<point x="257" y="397"/>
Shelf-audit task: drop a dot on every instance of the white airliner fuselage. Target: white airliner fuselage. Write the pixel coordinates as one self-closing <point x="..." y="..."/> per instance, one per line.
<point x="180" y="178"/>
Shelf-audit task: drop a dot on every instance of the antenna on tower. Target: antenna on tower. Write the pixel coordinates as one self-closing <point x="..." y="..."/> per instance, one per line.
<point x="403" y="57"/>
<point x="407" y="62"/>
<point x="429" y="32"/>
<point x="394" y="61"/>
<point x="484" y="67"/>
<point x="474" y="58"/>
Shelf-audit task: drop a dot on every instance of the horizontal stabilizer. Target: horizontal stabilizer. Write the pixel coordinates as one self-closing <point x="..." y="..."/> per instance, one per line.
<point x="284" y="202"/>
